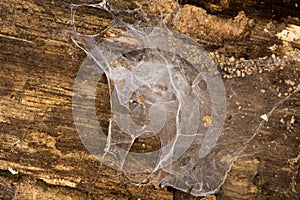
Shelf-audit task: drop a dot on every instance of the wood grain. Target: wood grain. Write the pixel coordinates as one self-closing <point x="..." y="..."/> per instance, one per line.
<point x="38" y="136"/>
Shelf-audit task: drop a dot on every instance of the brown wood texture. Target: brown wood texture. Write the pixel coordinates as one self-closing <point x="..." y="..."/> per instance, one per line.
<point x="38" y="66"/>
<point x="266" y="8"/>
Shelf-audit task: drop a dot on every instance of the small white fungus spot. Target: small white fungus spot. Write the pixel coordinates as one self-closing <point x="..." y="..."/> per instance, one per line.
<point x="264" y="117"/>
<point x="12" y="171"/>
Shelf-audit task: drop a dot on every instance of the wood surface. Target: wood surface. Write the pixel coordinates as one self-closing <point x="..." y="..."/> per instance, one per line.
<point x="41" y="155"/>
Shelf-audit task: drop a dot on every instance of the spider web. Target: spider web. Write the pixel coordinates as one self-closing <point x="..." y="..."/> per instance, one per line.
<point x="163" y="87"/>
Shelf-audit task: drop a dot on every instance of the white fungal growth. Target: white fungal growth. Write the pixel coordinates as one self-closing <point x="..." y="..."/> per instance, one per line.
<point x="264" y="117"/>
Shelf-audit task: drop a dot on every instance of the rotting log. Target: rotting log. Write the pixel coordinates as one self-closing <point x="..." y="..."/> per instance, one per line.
<point x="41" y="155"/>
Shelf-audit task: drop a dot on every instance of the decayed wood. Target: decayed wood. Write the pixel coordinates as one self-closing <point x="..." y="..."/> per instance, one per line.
<point x="265" y="8"/>
<point x="41" y="154"/>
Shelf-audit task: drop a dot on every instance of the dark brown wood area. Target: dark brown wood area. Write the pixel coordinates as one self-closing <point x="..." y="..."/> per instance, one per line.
<point x="261" y="8"/>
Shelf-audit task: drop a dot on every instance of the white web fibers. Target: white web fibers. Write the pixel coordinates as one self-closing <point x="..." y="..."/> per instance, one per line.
<point x="163" y="87"/>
